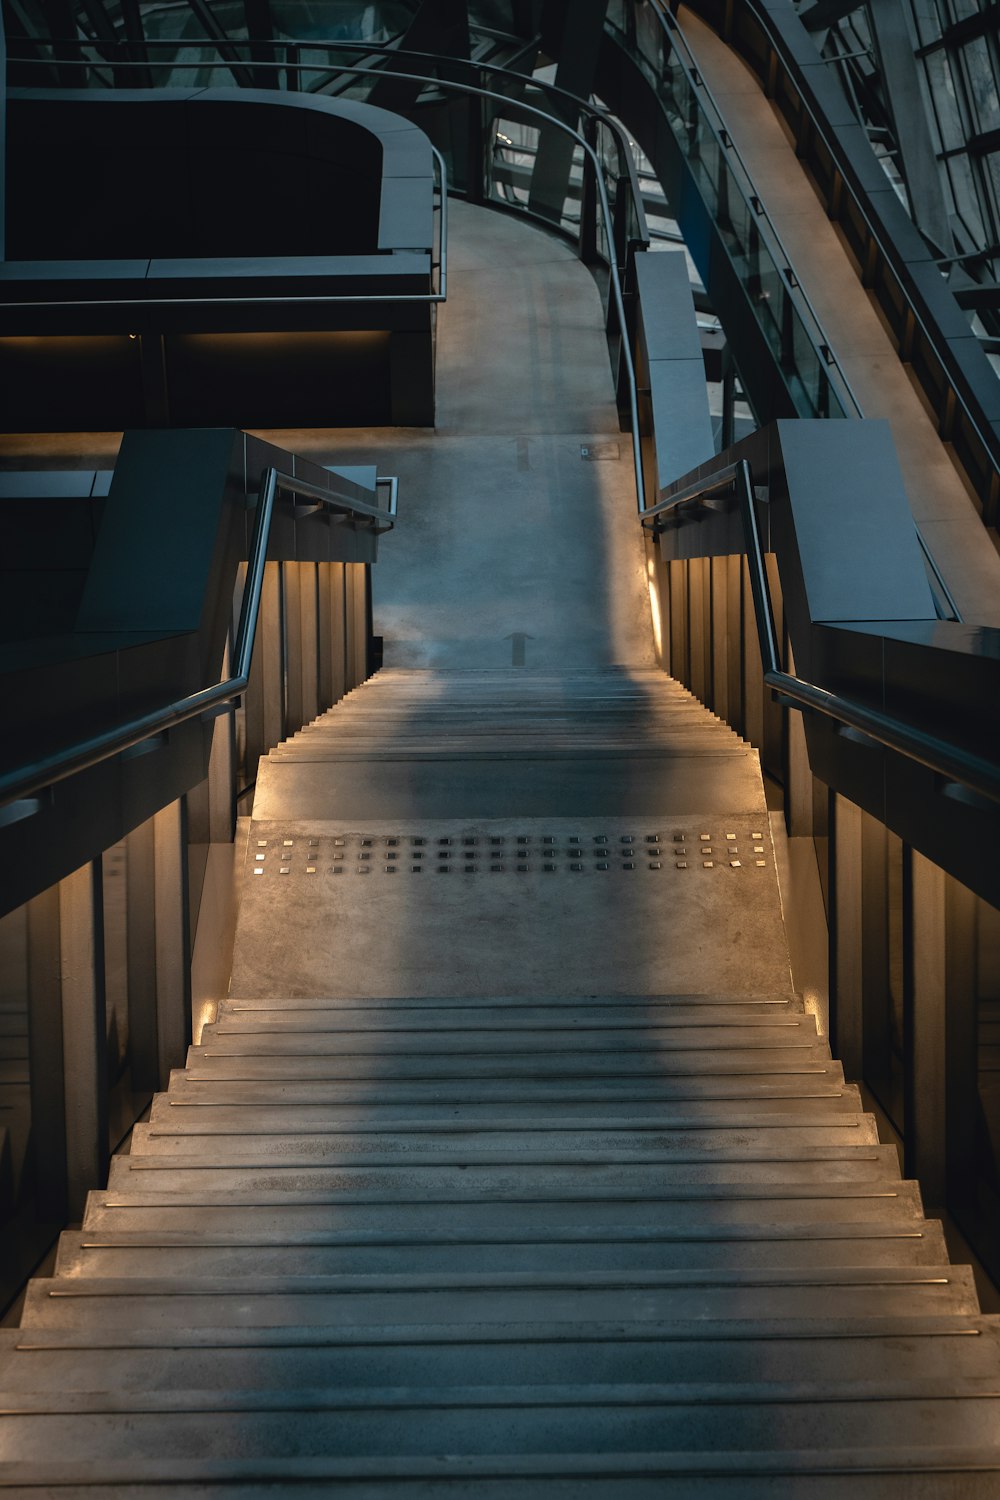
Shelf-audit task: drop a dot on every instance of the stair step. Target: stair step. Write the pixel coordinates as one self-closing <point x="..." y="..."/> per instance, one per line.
<point x="186" y="1173"/>
<point x="748" y="1247"/>
<point x="533" y="1144"/>
<point x="345" y="1300"/>
<point x="599" y="1420"/>
<point x="509" y="1211"/>
<point x="188" y="1117"/>
<point x="770" y="1351"/>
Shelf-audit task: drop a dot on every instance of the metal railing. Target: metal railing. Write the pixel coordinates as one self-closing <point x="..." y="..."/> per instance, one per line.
<point x="962" y="419"/>
<point x="780" y="305"/>
<point x="19" y="788"/>
<point x="949" y="761"/>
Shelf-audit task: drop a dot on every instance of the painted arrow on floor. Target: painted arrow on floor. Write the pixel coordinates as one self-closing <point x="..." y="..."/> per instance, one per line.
<point x="517" y="640"/>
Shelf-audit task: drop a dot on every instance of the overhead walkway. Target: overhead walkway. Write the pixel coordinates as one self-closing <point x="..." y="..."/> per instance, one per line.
<point x="511" y="1164"/>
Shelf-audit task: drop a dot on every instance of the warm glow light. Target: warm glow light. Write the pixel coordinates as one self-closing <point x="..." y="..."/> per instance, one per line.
<point x="654" y="605"/>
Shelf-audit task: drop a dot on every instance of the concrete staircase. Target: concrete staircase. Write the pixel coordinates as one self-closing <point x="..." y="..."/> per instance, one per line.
<point x="511" y="1165"/>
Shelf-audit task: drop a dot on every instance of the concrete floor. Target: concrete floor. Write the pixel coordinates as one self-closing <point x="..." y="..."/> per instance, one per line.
<point x="505" y="529"/>
<point x="881" y="383"/>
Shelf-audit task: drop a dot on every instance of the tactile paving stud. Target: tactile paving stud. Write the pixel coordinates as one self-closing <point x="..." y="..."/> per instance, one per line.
<point x="682" y="864"/>
<point x="364" y="869"/>
<point x="628" y="865"/>
<point x="260" y="856"/>
<point x="391" y="843"/>
<point x="576" y="867"/>
<point x="654" y="864"/>
<point x="339" y="843"/>
<point x="310" y="869"/>
<point x="496" y="869"/>
<point x="367" y="843"/>
<point x="735" y="864"/>
<point x="523" y="869"/>
<point x="258" y="870"/>
<point x="416" y="869"/>
<point x="336" y="869"/>
<point x="549" y="869"/>
<point x="285" y="870"/>
<point x="600" y="838"/>
<point x="761" y="863"/>
<point x="709" y="864"/>
<point x="602" y="865"/>
<point x="262" y="843"/>
<point x="288" y="843"/>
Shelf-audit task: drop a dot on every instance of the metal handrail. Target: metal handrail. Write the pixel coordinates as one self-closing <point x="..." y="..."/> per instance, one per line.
<point x="207" y="702"/>
<point x="823" y="348"/>
<point x="937" y="755"/>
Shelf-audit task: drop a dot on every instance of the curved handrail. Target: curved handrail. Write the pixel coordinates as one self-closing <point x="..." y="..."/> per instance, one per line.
<point x="290" y="46"/>
<point x="954" y="764"/>
<point x="26" y="781"/>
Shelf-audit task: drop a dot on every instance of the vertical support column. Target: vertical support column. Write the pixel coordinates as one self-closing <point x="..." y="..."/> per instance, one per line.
<point x="338" y="630"/>
<point x="846" y="957"/>
<point x="84" y="1032"/>
<point x="798" y="776"/>
<point x="927" y="1084"/>
<point x="173" y="946"/>
<point x="719" y="567"/>
<point x="46" y="1065"/>
<point x="697" y="647"/>
<point x="292" y="575"/>
<point x="141" y="919"/>
<point x="734" y="647"/>
<point x="753" y="671"/>
<point x="962" y="1106"/>
<point x="680" y="661"/>
<point x="357" y="623"/>
<point x="265" y="694"/>
<point x="222" y="774"/>
<point x="309" y="640"/>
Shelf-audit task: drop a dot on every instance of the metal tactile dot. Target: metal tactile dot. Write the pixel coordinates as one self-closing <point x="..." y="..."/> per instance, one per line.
<point x="628" y="864"/>
<point x="655" y="864"/>
<point x="262" y="843"/>
<point x="523" y="838"/>
<point x="548" y="838"/>
<point x="260" y="856"/>
<point x="549" y="869"/>
<point x="288" y="843"/>
<point x="576" y="867"/>
<point x="761" y="863"/>
<point x="444" y="842"/>
<point x="600" y="838"/>
<point x="258" y="870"/>
<point x="390" y="869"/>
<point x="470" y="869"/>
<point x="416" y="869"/>
<point x="336" y="869"/>
<point x="709" y="864"/>
<point x="339" y="843"/>
<point x="705" y="837"/>
<point x="497" y="869"/>
<point x="367" y="843"/>
<point x="364" y="854"/>
<point x="602" y="865"/>
<point x="522" y="869"/>
<point x="285" y="870"/>
<point x="391" y="843"/>
<point x="310" y="869"/>
<point x="469" y="842"/>
<point x="682" y="864"/>
<point x="417" y="843"/>
<point x="496" y="840"/>
<point x="731" y="836"/>
<point x="364" y="869"/>
<point x="735" y="864"/>
<point x="626" y="838"/>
